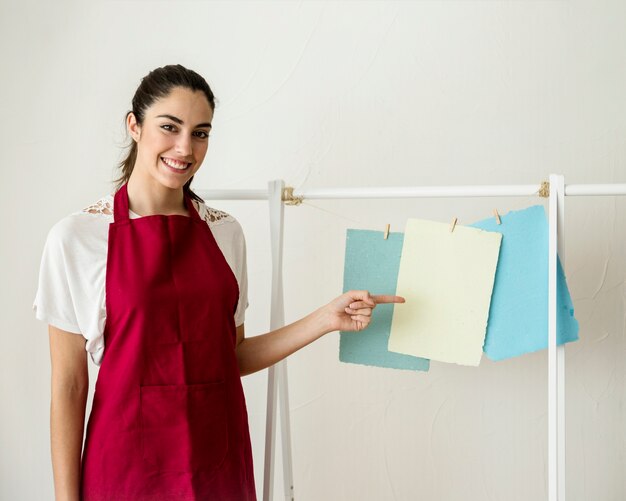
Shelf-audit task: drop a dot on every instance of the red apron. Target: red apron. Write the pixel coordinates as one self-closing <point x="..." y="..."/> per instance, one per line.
<point x="168" y="420"/>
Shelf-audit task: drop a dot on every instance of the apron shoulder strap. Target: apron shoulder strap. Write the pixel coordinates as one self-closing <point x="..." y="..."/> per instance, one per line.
<point x="193" y="213"/>
<point x="120" y="205"/>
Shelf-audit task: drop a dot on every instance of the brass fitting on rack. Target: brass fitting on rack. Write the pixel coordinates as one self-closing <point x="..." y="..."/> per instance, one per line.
<point x="544" y="191"/>
<point x="289" y="198"/>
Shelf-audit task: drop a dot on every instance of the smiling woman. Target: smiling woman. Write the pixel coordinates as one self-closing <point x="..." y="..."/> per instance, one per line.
<point x="169" y="124"/>
<point x="156" y="283"/>
<point x="172" y="141"/>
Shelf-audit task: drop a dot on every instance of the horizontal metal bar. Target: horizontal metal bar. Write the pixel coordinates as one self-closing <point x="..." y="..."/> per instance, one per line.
<point x="232" y="194"/>
<point x="522" y="190"/>
<point x="595" y="189"/>
<point x="422" y="191"/>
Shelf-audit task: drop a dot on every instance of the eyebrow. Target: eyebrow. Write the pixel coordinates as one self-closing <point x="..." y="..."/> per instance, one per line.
<point x="180" y="122"/>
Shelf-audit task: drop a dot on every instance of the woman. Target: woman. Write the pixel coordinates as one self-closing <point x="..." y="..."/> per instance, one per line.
<point x="156" y="283"/>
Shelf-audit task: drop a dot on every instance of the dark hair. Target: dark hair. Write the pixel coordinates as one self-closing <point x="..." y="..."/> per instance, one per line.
<point x="155" y="85"/>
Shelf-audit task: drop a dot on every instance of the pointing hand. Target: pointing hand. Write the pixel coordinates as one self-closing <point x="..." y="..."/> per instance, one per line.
<point x="352" y="311"/>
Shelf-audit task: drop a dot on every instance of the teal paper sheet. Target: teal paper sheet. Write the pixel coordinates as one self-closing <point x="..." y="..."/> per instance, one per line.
<point x="372" y="263"/>
<point x="518" y="314"/>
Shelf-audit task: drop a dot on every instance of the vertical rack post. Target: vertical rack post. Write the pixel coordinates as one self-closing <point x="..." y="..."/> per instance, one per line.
<point x="560" y="351"/>
<point x="277" y="374"/>
<point x="556" y="354"/>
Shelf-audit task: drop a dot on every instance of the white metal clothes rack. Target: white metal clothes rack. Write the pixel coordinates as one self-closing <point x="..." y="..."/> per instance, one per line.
<point x="277" y="195"/>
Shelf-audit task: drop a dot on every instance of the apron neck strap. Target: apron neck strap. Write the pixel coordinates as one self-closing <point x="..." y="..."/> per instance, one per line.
<point x="191" y="208"/>
<point x="120" y="206"/>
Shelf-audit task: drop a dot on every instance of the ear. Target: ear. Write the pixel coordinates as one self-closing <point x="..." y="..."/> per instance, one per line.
<point x="133" y="127"/>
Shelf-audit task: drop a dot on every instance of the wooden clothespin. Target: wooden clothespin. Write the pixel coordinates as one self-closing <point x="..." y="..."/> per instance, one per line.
<point x="495" y="213"/>
<point x="387" y="231"/>
<point x="452" y="225"/>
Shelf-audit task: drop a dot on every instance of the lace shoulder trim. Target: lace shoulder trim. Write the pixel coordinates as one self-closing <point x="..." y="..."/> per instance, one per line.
<point x="209" y="214"/>
<point x="212" y="216"/>
<point x="102" y="206"/>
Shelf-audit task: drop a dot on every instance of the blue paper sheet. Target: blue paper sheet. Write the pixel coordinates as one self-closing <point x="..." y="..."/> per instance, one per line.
<point x="372" y="263"/>
<point x="518" y="315"/>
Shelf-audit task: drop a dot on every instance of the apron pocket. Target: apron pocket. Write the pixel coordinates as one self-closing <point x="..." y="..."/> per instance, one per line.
<point x="184" y="428"/>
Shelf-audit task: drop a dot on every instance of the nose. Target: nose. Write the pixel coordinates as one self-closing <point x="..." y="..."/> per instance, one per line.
<point x="183" y="145"/>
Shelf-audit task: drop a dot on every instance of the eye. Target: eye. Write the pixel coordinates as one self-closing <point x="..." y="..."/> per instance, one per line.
<point x="165" y="126"/>
<point x="202" y="134"/>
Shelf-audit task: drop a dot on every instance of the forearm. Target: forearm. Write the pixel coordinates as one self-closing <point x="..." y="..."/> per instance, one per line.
<point x="349" y="312"/>
<point x="259" y="352"/>
<point x="67" y="419"/>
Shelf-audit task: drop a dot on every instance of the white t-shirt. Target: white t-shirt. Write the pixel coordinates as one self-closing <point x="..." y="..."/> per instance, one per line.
<point x="71" y="290"/>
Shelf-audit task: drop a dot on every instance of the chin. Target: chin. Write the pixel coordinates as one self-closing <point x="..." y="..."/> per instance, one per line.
<point x="172" y="184"/>
<point x="171" y="180"/>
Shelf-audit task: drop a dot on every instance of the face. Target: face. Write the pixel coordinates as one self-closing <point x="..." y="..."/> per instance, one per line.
<point x="173" y="139"/>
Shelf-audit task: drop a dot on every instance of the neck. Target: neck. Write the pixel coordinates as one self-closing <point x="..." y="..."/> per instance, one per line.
<point x="148" y="197"/>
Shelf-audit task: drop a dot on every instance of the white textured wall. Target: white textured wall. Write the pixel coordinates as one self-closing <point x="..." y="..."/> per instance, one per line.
<point x="338" y="94"/>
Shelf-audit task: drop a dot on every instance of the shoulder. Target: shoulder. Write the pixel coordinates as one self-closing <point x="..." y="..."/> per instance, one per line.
<point x="212" y="216"/>
<point x="228" y="235"/>
<point x="82" y="227"/>
<point x="219" y="221"/>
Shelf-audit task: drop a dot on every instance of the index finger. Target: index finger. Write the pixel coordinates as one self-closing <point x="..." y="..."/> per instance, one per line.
<point x="385" y="298"/>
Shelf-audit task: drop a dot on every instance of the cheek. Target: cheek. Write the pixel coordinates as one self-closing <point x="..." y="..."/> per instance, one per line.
<point x="155" y="145"/>
<point x="201" y="149"/>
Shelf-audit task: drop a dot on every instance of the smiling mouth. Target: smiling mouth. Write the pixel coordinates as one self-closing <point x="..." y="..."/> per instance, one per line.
<point x="175" y="164"/>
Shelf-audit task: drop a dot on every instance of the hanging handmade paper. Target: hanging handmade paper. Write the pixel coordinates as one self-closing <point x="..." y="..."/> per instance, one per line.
<point x="518" y="319"/>
<point x="371" y="263"/>
<point x="447" y="279"/>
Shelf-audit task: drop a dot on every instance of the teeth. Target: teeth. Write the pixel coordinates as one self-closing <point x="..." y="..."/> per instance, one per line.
<point x="174" y="164"/>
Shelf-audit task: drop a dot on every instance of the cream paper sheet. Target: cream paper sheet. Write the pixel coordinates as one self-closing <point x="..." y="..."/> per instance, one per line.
<point x="447" y="279"/>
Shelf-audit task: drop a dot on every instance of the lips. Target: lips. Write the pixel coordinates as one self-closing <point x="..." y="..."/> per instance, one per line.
<point x="175" y="165"/>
